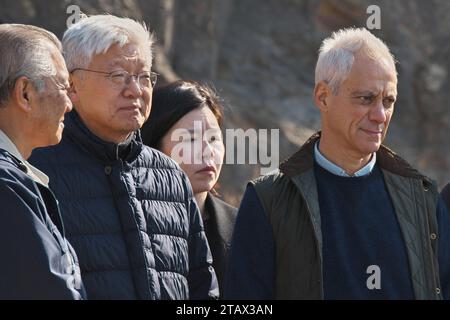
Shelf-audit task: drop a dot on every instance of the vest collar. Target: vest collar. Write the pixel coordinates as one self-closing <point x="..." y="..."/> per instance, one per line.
<point x="303" y="160"/>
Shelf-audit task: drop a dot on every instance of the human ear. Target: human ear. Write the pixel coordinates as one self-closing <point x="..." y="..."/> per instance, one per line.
<point x="322" y="93"/>
<point x="23" y="94"/>
<point x="74" y="83"/>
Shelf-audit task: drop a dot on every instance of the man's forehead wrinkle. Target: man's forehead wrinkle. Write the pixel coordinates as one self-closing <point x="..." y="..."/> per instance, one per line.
<point x="123" y="60"/>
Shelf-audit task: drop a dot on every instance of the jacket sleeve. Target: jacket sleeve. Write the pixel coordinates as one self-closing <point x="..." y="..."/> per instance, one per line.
<point x="443" y="219"/>
<point x="202" y="278"/>
<point x="32" y="265"/>
<point x="251" y="263"/>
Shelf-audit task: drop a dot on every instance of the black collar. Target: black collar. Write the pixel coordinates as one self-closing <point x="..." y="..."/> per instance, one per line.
<point x="104" y="151"/>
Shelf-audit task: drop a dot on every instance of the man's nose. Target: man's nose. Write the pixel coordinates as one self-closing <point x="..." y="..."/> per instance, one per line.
<point x="69" y="104"/>
<point x="132" y="87"/>
<point x="378" y="112"/>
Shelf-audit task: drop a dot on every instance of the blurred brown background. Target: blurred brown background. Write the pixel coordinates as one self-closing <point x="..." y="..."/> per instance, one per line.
<point x="260" y="56"/>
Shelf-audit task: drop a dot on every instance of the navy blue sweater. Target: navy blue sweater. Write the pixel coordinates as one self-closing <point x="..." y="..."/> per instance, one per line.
<point x="359" y="230"/>
<point x="445" y="194"/>
<point x="361" y="241"/>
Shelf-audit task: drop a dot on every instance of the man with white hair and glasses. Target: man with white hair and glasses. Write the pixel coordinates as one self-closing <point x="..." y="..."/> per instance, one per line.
<point x="345" y="217"/>
<point x="37" y="262"/>
<point x="129" y="209"/>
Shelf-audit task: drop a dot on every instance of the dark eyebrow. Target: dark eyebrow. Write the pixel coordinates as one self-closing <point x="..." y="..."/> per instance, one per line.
<point x="191" y="130"/>
<point x="203" y="131"/>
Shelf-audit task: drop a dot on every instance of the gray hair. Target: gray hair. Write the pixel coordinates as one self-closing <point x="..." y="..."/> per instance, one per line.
<point x="96" y="34"/>
<point x="25" y="51"/>
<point x="337" y="55"/>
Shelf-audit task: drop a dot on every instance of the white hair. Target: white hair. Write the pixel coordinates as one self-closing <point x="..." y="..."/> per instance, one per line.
<point x="26" y="51"/>
<point x="96" y="34"/>
<point x="337" y="55"/>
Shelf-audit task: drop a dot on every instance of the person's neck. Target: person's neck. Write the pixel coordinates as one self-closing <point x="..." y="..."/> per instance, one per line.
<point x="108" y="136"/>
<point x="348" y="161"/>
<point x="102" y="133"/>
<point x="200" y="198"/>
<point x="18" y="137"/>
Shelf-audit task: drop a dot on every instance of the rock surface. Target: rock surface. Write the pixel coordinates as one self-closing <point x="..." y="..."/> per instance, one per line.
<point x="260" y="56"/>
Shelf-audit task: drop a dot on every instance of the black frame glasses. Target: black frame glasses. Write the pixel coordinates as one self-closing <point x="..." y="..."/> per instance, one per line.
<point x="145" y="79"/>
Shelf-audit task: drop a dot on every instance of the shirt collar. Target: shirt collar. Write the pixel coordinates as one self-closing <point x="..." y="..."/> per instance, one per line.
<point x="336" y="170"/>
<point x="34" y="173"/>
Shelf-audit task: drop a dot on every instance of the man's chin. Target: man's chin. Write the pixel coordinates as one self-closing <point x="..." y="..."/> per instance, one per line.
<point x="132" y="123"/>
<point x="370" y="147"/>
<point x="51" y="141"/>
<point x="57" y="138"/>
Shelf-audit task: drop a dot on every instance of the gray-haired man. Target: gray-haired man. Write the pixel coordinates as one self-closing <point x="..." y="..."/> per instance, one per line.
<point x="36" y="260"/>
<point x="129" y="210"/>
<point x="344" y="217"/>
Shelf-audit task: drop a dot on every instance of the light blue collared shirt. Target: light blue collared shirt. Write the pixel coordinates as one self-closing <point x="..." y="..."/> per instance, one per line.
<point x="336" y="170"/>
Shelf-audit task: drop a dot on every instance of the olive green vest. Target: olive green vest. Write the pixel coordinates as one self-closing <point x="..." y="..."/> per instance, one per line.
<point x="289" y="197"/>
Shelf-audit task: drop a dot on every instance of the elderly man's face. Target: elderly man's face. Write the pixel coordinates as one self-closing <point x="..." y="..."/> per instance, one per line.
<point x="358" y="116"/>
<point x="110" y="111"/>
<point x="51" y="104"/>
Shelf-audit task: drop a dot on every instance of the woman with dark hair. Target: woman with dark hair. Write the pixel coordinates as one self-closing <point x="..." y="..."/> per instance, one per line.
<point x="185" y="124"/>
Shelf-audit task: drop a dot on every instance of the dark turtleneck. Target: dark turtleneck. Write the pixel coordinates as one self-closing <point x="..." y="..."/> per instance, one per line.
<point x="103" y="150"/>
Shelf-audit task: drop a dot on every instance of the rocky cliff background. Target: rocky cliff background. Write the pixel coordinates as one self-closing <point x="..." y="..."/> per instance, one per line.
<point x="260" y="56"/>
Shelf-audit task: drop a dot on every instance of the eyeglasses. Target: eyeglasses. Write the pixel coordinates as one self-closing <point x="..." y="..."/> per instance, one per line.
<point x="120" y="78"/>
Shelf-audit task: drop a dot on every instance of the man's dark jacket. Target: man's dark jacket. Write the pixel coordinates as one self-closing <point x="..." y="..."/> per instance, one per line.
<point x="289" y="198"/>
<point x="130" y="215"/>
<point x="36" y="260"/>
